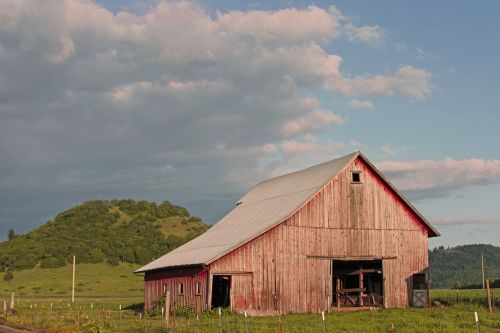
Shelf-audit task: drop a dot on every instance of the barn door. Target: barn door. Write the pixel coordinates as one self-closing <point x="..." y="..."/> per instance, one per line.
<point x="241" y="292"/>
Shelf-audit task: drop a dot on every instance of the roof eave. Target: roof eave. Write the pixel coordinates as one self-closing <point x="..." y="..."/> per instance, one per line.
<point x="141" y="270"/>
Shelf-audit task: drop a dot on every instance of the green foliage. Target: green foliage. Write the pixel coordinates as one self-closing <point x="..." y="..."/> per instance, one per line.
<point x="8" y="276"/>
<point x="101" y="231"/>
<point x="167" y="209"/>
<point x="53" y="262"/>
<point x="460" y="266"/>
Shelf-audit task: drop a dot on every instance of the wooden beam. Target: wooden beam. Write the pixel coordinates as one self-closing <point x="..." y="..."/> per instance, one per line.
<point x="345" y="258"/>
<point x="209" y="291"/>
<point x="231" y="273"/>
<point x="358" y="271"/>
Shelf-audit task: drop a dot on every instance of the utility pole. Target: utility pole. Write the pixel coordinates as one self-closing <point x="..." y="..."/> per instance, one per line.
<point x="73" y="289"/>
<point x="482" y="267"/>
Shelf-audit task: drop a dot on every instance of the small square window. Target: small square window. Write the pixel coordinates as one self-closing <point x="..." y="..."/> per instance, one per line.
<point x="181" y="288"/>
<point x="356" y="177"/>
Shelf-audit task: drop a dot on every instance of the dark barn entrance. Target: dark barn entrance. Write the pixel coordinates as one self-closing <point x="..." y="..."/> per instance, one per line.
<point x="221" y="288"/>
<point x="357" y="283"/>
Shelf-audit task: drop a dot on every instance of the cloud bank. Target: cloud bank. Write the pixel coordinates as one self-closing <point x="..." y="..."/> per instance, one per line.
<point x="434" y="179"/>
<point x="98" y="104"/>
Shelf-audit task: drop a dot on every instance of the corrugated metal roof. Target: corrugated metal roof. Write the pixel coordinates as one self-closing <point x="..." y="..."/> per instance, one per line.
<point x="263" y="207"/>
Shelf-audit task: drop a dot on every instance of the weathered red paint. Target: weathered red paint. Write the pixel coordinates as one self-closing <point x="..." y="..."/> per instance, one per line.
<point x="280" y="269"/>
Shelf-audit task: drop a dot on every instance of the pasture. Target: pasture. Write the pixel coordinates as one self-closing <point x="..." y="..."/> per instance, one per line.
<point x="125" y="315"/>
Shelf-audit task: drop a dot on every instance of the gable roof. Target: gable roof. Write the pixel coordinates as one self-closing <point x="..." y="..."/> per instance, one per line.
<point x="266" y="205"/>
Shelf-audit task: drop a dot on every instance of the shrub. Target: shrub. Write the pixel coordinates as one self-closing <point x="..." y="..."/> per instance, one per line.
<point x="113" y="261"/>
<point x="8" y="276"/>
<point x="53" y="262"/>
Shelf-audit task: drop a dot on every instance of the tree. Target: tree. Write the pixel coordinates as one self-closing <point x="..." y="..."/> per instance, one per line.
<point x="12" y="234"/>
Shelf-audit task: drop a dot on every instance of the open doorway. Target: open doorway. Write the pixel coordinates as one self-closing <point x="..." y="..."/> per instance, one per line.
<point x="357" y="283"/>
<point x="221" y="287"/>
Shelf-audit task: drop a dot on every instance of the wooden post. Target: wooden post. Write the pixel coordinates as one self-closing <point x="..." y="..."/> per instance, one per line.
<point x="12" y="301"/>
<point x="167" y="308"/>
<point x="324" y="323"/>
<point x="482" y="268"/>
<point x="209" y="291"/>
<point x="5" y="308"/>
<point x="488" y="294"/>
<point x="476" y="318"/>
<point x="361" y="287"/>
<point x="73" y="288"/>
<point x="337" y="297"/>
<point x="220" y="320"/>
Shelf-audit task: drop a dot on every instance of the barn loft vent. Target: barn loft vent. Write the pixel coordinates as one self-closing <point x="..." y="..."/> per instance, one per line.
<point x="356" y="177"/>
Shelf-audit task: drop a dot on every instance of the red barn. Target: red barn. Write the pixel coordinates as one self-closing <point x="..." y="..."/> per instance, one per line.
<point x="333" y="235"/>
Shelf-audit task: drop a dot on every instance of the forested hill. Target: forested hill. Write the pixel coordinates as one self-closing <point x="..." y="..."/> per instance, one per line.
<point x="102" y="231"/>
<point x="460" y="266"/>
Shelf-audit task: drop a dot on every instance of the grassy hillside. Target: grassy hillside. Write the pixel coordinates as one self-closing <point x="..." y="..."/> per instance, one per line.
<point x="92" y="280"/>
<point x="99" y="231"/>
<point x="460" y="266"/>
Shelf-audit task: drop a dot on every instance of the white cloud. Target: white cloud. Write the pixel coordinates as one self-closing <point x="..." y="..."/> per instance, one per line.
<point x="316" y="120"/>
<point x="360" y="104"/>
<point x="373" y="35"/>
<point x="291" y="24"/>
<point x="310" y="147"/>
<point x="407" y="80"/>
<point x="427" y="178"/>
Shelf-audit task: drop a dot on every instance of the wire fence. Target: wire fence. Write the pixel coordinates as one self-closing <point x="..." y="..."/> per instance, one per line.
<point x="113" y="316"/>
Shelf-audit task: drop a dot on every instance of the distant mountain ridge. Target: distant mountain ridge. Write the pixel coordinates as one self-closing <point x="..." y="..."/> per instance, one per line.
<point x="460" y="266"/>
<point x="103" y="231"/>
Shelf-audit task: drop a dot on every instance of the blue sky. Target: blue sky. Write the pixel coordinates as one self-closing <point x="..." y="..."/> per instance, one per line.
<point x="196" y="101"/>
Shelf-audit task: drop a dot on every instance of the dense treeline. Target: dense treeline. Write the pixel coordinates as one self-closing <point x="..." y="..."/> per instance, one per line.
<point x="460" y="266"/>
<point x="100" y="231"/>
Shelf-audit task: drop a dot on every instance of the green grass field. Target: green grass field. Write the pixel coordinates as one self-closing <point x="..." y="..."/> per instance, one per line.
<point x="105" y="316"/>
<point x="92" y="280"/>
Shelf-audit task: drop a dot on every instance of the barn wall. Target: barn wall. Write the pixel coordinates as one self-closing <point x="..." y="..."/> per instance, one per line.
<point x="156" y="283"/>
<point x="343" y="219"/>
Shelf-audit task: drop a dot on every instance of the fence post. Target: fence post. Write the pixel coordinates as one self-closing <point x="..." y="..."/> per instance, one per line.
<point x="220" y="320"/>
<point x="324" y="323"/>
<point x="477" y="322"/>
<point x="488" y="295"/>
<point x="12" y="301"/>
<point x="121" y="326"/>
<point x="5" y="308"/>
<point x="167" y="308"/>
<point x="246" y="322"/>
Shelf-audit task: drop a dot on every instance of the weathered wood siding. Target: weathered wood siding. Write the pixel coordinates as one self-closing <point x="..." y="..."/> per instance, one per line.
<point x="343" y="220"/>
<point x="156" y="283"/>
